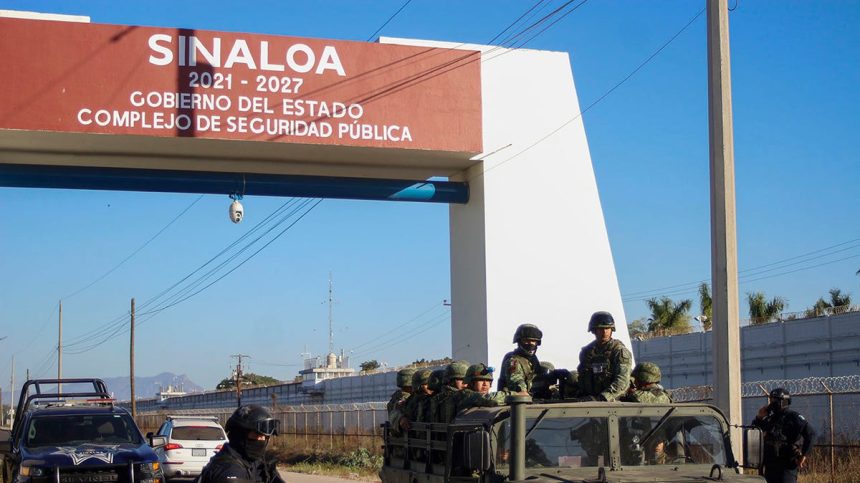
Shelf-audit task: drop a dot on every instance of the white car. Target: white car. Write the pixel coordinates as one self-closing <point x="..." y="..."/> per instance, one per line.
<point x="191" y="442"/>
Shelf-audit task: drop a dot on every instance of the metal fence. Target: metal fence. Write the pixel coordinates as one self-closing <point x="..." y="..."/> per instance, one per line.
<point x="830" y="404"/>
<point x="341" y="426"/>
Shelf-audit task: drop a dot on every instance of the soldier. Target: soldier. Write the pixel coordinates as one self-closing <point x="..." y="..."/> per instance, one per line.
<point x="787" y="438"/>
<point x="434" y="384"/>
<point x="479" y="379"/>
<point x="604" y="365"/>
<point x="243" y="458"/>
<point x="404" y="385"/>
<point x="444" y="406"/>
<point x="520" y="366"/>
<point x="408" y="412"/>
<point x="647" y="388"/>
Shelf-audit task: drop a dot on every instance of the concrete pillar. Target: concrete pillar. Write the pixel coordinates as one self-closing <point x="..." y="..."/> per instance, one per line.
<point x="531" y="244"/>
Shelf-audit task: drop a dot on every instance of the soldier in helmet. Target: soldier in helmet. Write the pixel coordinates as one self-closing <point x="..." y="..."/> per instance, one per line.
<point x="787" y="438"/>
<point x="420" y="391"/>
<point x="479" y="380"/>
<point x="647" y="388"/>
<point x="404" y="389"/>
<point x="434" y="384"/>
<point x="520" y="366"/>
<point x="242" y="459"/>
<point x="444" y="407"/>
<point x="604" y="365"/>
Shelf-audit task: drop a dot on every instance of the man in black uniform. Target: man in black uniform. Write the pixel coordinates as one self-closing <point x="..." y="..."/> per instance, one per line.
<point x="787" y="438"/>
<point x="242" y="460"/>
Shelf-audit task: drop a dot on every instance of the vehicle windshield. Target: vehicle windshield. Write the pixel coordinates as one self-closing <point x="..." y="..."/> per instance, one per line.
<point x="678" y="440"/>
<point x="559" y="441"/>
<point x="70" y="430"/>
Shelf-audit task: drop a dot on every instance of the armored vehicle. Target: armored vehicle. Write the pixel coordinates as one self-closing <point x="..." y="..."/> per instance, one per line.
<point x="572" y="442"/>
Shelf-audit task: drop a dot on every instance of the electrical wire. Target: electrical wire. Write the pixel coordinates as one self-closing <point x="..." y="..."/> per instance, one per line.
<point x="432" y="323"/>
<point x="146" y="316"/>
<point x="594" y="103"/>
<point x="753" y="271"/>
<point x="433" y="307"/>
<point x="389" y="20"/>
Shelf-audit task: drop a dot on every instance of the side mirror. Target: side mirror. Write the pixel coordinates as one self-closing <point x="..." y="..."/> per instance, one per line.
<point x="156" y="441"/>
<point x="477" y="451"/>
<point x="753" y="448"/>
<point x="5" y="447"/>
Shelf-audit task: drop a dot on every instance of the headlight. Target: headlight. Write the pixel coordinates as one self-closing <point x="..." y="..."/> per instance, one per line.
<point x="33" y="471"/>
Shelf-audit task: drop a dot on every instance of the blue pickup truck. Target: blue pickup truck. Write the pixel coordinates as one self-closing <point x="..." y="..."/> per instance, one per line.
<point x="75" y="436"/>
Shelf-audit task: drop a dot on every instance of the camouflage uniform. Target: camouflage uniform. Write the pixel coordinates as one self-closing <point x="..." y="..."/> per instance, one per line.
<point x="468" y="398"/>
<point x="519" y="367"/>
<point x="404" y="379"/>
<point x="411" y="408"/>
<point x="443" y="407"/>
<point x="604" y="370"/>
<point x="647" y="387"/>
<point x="424" y="414"/>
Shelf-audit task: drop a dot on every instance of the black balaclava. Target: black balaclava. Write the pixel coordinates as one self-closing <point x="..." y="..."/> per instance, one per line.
<point x="527" y="348"/>
<point x="251" y="449"/>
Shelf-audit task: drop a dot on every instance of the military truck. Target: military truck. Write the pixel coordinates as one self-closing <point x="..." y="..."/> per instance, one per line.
<point x="572" y="442"/>
<point x="75" y="436"/>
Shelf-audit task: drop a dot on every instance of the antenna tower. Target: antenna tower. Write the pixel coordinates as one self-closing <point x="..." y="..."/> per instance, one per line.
<point x="330" y="326"/>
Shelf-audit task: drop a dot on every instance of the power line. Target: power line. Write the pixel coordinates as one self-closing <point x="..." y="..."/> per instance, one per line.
<point x="515" y="21"/>
<point x="433" y="307"/>
<point x="135" y="252"/>
<point x="152" y="313"/>
<point x="432" y="323"/>
<point x="389" y="20"/>
<point x="594" y="103"/>
<point x="779" y="264"/>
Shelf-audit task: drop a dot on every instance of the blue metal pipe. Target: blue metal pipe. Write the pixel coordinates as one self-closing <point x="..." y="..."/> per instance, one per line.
<point x="167" y="181"/>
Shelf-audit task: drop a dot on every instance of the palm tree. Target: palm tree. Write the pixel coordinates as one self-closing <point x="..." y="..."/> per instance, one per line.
<point x="706" y="304"/>
<point x="762" y="310"/>
<point x="837" y="299"/>
<point x="668" y="317"/>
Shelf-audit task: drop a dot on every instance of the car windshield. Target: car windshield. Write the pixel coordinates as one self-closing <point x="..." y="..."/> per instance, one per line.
<point x="69" y="430"/>
<point x="197" y="433"/>
<point x="677" y="440"/>
<point x="559" y="441"/>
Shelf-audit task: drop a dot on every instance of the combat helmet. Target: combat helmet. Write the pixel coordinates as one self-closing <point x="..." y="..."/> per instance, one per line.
<point x="478" y="372"/>
<point x="456" y="370"/>
<point x="251" y="418"/>
<point x="436" y="379"/>
<point x="420" y="377"/>
<point x="601" y="320"/>
<point x="404" y="377"/>
<point x="528" y="331"/>
<point x="647" y="372"/>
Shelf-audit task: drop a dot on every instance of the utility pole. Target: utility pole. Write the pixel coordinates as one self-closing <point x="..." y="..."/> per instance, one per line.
<point x="60" y="350"/>
<point x="239" y="378"/>
<point x="330" y="322"/>
<point x="724" y="252"/>
<point x="131" y="363"/>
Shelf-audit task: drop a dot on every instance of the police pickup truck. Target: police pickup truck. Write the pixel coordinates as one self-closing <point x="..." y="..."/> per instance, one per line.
<point x="75" y="436"/>
<point x="572" y="442"/>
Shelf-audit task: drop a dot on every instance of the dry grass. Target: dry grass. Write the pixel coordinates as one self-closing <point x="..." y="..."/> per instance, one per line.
<point x="352" y="457"/>
<point x="846" y="466"/>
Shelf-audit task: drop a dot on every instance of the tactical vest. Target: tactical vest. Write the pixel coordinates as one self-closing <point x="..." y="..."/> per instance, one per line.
<point x="599" y="366"/>
<point x="529" y="364"/>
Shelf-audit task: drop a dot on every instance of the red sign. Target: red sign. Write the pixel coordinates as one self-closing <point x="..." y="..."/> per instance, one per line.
<point x="111" y="79"/>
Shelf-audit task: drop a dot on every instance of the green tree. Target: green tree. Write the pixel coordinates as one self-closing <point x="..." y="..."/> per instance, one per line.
<point x="248" y="379"/>
<point x="838" y="299"/>
<point x="637" y="328"/>
<point x="762" y="310"/>
<point x="668" y="317"/>
<point x="706" y="305"/>
<point x="369" y="366"/>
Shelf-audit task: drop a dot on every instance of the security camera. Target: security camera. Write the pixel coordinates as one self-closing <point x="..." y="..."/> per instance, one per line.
<point x="237" y="211"/>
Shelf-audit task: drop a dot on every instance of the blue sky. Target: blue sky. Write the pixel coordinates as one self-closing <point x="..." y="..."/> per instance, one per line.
<point x="795" y="69"/>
